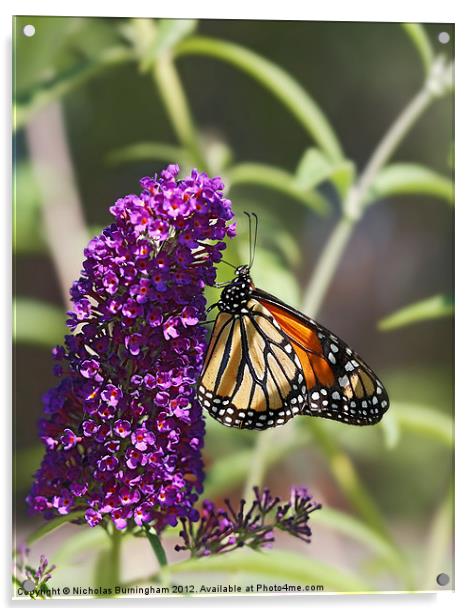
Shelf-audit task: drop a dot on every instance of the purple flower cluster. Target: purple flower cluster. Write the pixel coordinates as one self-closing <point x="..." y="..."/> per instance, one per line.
<point x="222" y="530"/>
<point x="123" y="431"/>
<point x="24" y="571"/>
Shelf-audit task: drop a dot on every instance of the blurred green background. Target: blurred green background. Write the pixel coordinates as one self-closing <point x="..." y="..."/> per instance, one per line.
<point x="100" y="103"/>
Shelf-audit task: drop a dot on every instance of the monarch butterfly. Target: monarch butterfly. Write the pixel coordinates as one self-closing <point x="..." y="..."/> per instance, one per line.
<point x="267" y="362"/>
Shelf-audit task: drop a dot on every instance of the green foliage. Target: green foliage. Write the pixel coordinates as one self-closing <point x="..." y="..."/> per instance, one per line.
<point x="275" y="565"/>
<point x="168" y="33"/>
<point x="38" y="323"/>
<point x="418" y="36"/>
<point x="275" y="179"/>
<point x="315" y="168"/>
<point x="436" y="307"/>
<point x="356" y="530"/>
<point x="424" y="421"/>
<point x="155" y="543"/>
<point x="411" y="179"/>
<point x="275" y="79"/>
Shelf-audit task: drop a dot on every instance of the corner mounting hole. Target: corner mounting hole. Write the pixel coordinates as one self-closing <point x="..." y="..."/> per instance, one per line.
<point x="443" y="38"/>
<point x="442" y="579"/>
<point x="29" y="30"/>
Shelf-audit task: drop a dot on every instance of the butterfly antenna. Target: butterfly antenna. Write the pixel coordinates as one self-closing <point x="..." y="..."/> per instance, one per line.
<point x="250" y="237"/>
<point x="254" y="239"/>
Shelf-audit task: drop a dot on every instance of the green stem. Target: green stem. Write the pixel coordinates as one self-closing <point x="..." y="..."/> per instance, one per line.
<point x="353" y="208"/>
<point x="174" y="98"/>
<point x="327" y="265"/>
<point x="115" y="556"/>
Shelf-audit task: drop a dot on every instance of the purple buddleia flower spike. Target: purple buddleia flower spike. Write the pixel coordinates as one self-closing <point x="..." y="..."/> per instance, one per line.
<point x="221" y="530"/>
<point x="123" y="431"/>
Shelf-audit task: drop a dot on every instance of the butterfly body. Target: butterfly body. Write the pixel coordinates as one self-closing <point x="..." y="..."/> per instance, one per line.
<point x="267" y="363"/>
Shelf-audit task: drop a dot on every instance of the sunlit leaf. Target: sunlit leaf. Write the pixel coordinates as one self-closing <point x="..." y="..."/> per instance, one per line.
<point x="436" y="307"/>
<point x="36" y="322"/>
<point x="276" y="565"/>
<point x="424" y="421"/>
<point x="421" y="42"/>
<point x="410" y="179"/>
<point x="276" y="179"/>
<point x="280" y="83"/>
<point x="315" y="168"/>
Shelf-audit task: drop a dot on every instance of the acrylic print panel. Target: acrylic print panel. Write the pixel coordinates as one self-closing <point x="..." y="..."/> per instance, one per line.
<point x="138" y="147"/>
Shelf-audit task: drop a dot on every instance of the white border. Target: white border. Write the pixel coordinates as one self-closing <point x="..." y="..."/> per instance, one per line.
<point x="362" y="10"/>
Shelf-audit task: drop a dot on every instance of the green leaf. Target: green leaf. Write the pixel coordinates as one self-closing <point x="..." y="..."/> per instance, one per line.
<point x="346" y="475"/>
<point x="410" y="179"/>
<point x="391" y="430"/>
<point x="156" y="545"/>
<point x="421" y="42"/>
<point x="148" y="151"/>
<point x="436" y="307"/>
<point x="276" y="80"/>
<point x="276" y="179"/>
<point x="51" y="526"/>
<point x="275" y="565"/>
<point x="168" y="33"/>
<point x="425" y="421"/>
<point x="314" y="168"/>
<point x="36" y="322"/>
<point x="360" y="532"/>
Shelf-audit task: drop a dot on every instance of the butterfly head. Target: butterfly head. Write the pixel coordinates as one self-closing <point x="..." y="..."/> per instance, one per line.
<point x="242" y="271"/>
<point x="236" y="294"/>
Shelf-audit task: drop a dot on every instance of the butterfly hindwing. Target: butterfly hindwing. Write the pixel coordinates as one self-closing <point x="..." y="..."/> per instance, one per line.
<point x="252" y="376"/>
<point x="340" y="385"/>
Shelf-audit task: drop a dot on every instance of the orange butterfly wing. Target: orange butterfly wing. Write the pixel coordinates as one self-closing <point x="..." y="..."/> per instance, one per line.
<point x="341" y="386"/>
<point x="306" y="345"/>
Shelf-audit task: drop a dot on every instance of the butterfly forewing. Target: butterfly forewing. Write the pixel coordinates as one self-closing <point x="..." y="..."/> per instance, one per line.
<point x="340" y="385"/>
<point x="252" y="376"/>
